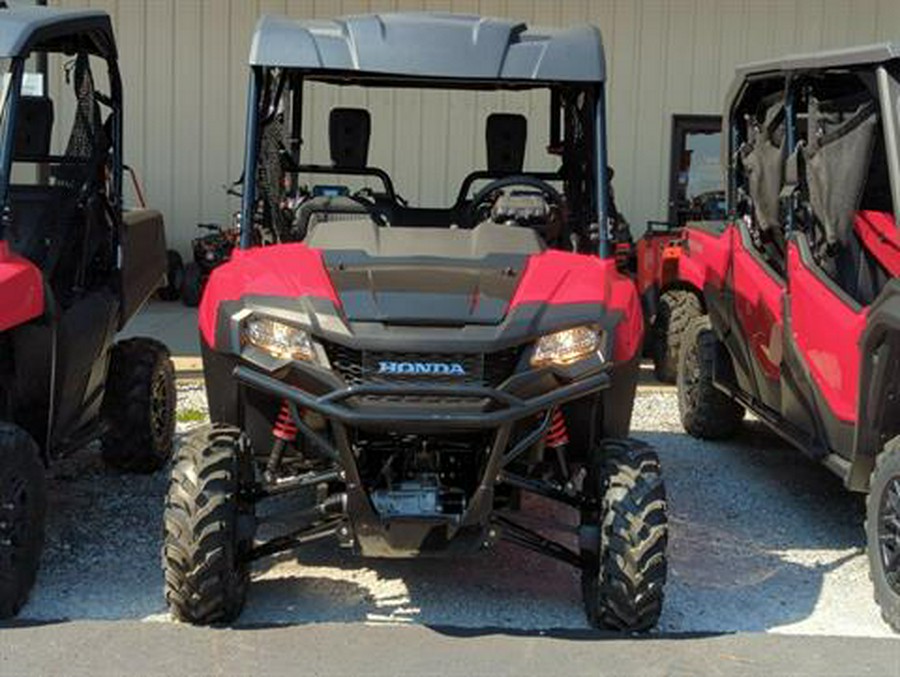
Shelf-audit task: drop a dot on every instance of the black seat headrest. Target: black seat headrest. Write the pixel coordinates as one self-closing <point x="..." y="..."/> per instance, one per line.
<point x="506" y="135"/>
<point x="348" y="132"/>
<point x="34" y="127"/>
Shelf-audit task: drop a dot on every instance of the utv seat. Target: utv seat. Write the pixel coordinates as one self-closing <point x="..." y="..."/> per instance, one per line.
<point x="349" y="131"/>
<point x="505" y="136"/>
<point x="843" y="141"/>
<point x="59" y="226"/>
<point x="43" y="216"/>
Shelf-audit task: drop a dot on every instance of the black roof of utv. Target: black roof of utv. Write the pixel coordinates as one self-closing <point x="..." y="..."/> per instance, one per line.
<point x="23" y="28"/>
<point x="431" y="46"/>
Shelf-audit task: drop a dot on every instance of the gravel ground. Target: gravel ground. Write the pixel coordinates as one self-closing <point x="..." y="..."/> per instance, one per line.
<point x="762" y="540"/>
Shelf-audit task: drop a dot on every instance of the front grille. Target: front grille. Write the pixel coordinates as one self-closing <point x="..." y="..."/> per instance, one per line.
<point x="357" y="367"/>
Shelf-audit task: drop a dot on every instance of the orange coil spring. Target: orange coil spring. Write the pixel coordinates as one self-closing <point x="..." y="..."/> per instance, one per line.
<point x="558" y="435"/>
<point x="285" y="428"/>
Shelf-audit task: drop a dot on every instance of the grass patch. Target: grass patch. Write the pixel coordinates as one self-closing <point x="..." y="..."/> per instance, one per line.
<point x="190" y="415"/>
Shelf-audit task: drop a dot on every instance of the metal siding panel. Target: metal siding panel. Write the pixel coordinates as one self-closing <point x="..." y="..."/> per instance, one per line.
<point x="189" y="120"/>
<point x="705" y="91"/>
<point x="131" y="38"/>
<point x="651" y="137"/>
<point x="156" y="173"/>
<point x="214" y="108"/>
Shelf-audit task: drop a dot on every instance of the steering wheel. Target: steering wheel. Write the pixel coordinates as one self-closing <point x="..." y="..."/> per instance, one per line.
<point x="481" y="197"/>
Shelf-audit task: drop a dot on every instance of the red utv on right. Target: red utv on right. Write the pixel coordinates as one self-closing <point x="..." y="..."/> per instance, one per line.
<point x="801" y="282"/>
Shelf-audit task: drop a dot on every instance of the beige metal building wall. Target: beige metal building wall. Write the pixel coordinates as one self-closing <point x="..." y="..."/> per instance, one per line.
<point x="184" y="66"/>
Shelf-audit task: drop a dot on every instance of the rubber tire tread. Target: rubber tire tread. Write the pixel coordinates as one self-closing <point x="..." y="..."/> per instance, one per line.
<point x="192" y="286"/>
<point x="128" y="444"/>
<point x="677" y="308"/>
<point x="18" y="451"/>
<point x="204" y="580"/>
<point x="174" y="277"/>
<point x="624" y="587"/>
<point x="887" y="466"/>
<point x="706" y="412"/>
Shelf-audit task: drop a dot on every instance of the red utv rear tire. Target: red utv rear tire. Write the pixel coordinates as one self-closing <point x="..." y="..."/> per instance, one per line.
<point x="883" y="532"/>
<point x="706" y="412"/>
<point x="677" y="308"/>
<point x="625" y="569"/>
<point x="207" y="529"/>
<point x="139" y="407"/>
<point x="23" y="507"/>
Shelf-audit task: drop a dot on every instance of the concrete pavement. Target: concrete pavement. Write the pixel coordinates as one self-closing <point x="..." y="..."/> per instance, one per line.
<point x="132" y="648"/>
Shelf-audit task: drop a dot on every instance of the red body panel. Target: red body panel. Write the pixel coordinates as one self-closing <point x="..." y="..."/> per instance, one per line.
<point x="827" y="332"/>
<point x="21" y="289"/>
<point x="555" y="277"/>
<point x="880" y="235"/>
<point x="759" y="311"/>
<point x="705" y="258"/>
<point x="286" y="270"/>
<point x="552" y="277"/>
<point x="658" y="259"/>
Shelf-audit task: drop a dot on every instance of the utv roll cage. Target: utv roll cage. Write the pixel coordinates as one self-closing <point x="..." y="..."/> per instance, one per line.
<point x="784" y="154"/>
<point x="434" y="51"/>
<point x="63" y="31"/>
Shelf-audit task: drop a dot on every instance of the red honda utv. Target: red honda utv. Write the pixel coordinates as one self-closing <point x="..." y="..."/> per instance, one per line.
<point x="73" y="269"/>
<point x="801" y="284"/>
<point x="414" y="370"/>
<point x="671" y="295"/>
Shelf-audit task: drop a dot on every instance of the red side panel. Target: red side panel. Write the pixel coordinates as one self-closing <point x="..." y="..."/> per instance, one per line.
<point x="21" y="289"/>
<point x="556" y="278"/>
<point x="758" y="307"/>
<point x="704" y="258"/>
<point x="827" y="332"/>
<point x="286" y="270"/>
<point x="881" y="236"/>
<point x="649" y="252"/>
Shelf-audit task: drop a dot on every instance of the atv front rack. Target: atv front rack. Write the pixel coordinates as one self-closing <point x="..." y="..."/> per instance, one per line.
<point x="478" y="526"/>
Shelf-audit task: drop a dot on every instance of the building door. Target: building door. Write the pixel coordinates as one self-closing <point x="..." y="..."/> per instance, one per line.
<point x="696" y="191"/>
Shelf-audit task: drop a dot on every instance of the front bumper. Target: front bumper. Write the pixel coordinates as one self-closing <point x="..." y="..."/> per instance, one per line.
<point x="374" y="534"/>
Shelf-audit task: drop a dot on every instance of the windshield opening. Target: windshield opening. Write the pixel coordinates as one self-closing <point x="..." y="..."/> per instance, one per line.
<point x="423" y="156"/>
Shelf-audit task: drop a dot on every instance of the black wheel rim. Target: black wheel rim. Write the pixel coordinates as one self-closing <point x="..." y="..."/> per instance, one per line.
<point x="14" y="515"/>
<point x="160" y="413"/>
<point x="690" y="377"/>
<point x="889" y="533"/>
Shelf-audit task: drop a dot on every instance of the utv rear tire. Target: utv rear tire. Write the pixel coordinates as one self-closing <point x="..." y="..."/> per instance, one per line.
<point x="883" y="532"/>
<point x="677" y="308"/>
<point x="174" y="277"/>
<point x="706" y="412"/>
<point x="625" y="568"/>
<point x="139" y="407"/>
<point x="23" y="507"/>
<point x="207" y="529"/>
<point x="192" y="287"/>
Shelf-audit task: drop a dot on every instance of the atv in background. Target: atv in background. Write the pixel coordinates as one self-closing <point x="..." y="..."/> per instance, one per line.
<point x="671" y="294"/>
<point x="801" y="285"/>
<point x="414" y="370"/>
<point x="210" y="251"/>
<point x="73" y="269"/>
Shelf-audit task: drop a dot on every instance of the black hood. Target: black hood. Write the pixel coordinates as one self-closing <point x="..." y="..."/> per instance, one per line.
<point x="424" y="276"/>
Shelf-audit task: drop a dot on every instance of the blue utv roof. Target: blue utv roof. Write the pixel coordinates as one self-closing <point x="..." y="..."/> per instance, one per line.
<point x="431" y="46"/>
<point x="22" y="28"/>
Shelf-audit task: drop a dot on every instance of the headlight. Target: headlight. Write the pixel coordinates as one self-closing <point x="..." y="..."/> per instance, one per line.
<point x="568" y="346"/>
<point x="278" y="339"/>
